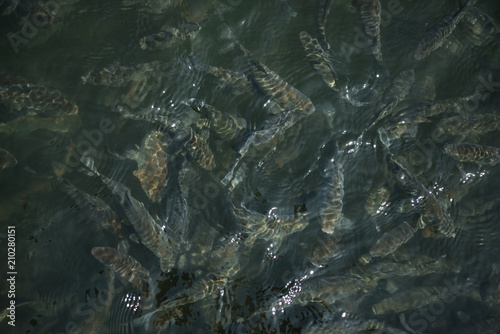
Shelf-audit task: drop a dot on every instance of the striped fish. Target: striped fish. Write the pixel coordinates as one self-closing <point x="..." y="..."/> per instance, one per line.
<point x="467" y="152"/>
<point x="226" y="126"/>
<point x="319" y="60"/>
<point x="129" y="269"/>
<point x="369" y="16"/>
<point x="434" y="37"/>
<point x="158" y="239"/>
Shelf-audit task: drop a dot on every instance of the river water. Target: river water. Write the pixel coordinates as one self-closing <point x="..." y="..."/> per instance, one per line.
<point x="61" y="288"/>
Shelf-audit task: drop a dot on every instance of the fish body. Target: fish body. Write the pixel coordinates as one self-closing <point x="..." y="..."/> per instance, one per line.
<point x="40" y="100"/>
<point x="129" y="269"/>
<point x="435" y="36"/>
<point x="396" y="92"/>
<point x="120" y="76"/>
<point x="467" y="152"/>
<point x="393" y="239"/>
<point x="93" y="207"/>
<point x="369" y="16"/>
<point x="377" y="200"/>
<point x="272" y="85"/>
<point x="433" y="211"/>
<point x="269" y="227"/>
<point x="327" y="248"/>
<point x="272" y="127"/>
<point x="413" y="298"/>
<point x="196" y="146"/>
<point x="328" y="290"/>
<point x="322" y="11"/>
<point x="158" y="239"/>
<point x="476" y="124"/>
<point x="27" y="124"/>
<point x="152" y="165"/>
<point x="319" y="60"/>
<point x="169" y="37"/>
<point x="332" y="203"/>
<point x="237" y="82"/>
<point x="226" y="126"/>
<point x="7" y="160"/>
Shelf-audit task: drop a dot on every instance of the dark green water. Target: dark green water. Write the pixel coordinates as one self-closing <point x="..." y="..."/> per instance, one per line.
<point x="61" y="288"/>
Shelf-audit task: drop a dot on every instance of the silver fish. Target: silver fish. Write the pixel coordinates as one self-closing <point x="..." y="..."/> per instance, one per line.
<point x="435" y="36"/>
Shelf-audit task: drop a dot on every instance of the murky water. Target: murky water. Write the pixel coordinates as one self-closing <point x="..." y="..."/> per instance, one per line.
<point x="265" y="281"/>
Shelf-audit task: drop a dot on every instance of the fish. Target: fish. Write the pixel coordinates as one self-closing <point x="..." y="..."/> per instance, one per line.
<point x="327" y="247"/>
<point x="377" y="201"/>
<point x="436" y="35"/>
<point x="27" y="124"/>
<point x="395" y="93"/>
<point x="92" y="206"/>
<point x="465" y="125"/>
<point x="319" y="60"/>
<point x="169" y="37"/>
<point x="196" y="146"/>
<point x="152" y="168"/>
<point x="481" y="28"/>
<point x="157" y="238"/>
<point x="269" y="227"/>
<point x="369" y="16"/>
<point x="196" y="19"/>
<point x="237" y="82"/>
<point x="346" y="323"/>
<point x="332" y="176"/>
<point x="223" y="264"/>
<point x="413" y="298"/>
<point x="434" y="212"/>
<point x="226" y="126"/>
<point x="327" y="290"/>
<point x="273" y="126"/>
<point x="119" y="75"/>
<point x="7" y="160"/>
<point x="129" y="269"/>
<point x="322" y="11"/>
<point x="468" y="152"/>
<point x="36" y="100"/>
<point x="416" y="267"/>
<point x="271" y="84"/>
<point x="393" y="239"/>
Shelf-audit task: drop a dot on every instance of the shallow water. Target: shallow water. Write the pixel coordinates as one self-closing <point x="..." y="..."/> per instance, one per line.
<point x="62" y="288"/>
